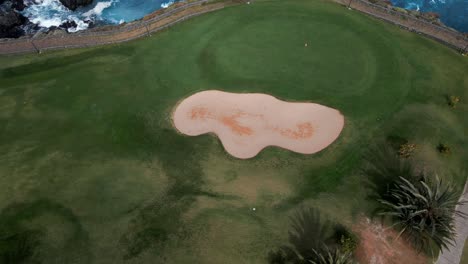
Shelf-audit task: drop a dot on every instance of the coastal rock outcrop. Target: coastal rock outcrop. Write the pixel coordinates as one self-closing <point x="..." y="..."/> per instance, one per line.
<point x="68" y="24"/>
<point x="14" y="4"/>
<point x="74" y="4"/>
<point x="10" y="23"/>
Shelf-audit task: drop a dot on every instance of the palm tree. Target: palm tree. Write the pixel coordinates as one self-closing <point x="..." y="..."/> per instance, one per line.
<point x="309" y="231"/>
<point x="424" y="211"/>
<point x="309" y="239"/>
<point x="328" y="256"/>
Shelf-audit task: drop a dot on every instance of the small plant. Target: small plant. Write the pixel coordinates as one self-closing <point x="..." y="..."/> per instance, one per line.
<point x="453" y="101"/>
<point x="407" y="150"/>
<point x="345" y="239"/>
<point x="349" y="243"/>
<point x="444" y="149"/>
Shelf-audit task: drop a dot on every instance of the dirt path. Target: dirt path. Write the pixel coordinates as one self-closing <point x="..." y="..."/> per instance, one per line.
<point x="380" y="245"/>
<point x="453" y="255"/>
<point x="445" y="36"/>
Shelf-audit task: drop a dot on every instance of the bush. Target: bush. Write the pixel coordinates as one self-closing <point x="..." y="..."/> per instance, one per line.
<point x="349" y="243"/>
<point x="406" y="150"/>
<point x="345" y="239"/>
<point x="453" y="101"/>
<point x="444" y="149"/>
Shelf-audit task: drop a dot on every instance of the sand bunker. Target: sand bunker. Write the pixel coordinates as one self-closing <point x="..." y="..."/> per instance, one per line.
<point x="247" y="123"/>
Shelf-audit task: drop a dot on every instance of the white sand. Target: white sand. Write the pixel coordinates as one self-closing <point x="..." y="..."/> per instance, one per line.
<point x="247" y="123"/>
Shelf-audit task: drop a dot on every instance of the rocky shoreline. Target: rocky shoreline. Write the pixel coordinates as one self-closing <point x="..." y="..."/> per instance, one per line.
<point x="11" y="20"/>
<point x="13" y="23"/>
<point x="430" y="17"/>
<point x="102" y="35"/>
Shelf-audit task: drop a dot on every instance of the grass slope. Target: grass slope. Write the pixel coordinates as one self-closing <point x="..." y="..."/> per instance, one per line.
<point x="91" y="164"/>
<point x="464" y="259"/>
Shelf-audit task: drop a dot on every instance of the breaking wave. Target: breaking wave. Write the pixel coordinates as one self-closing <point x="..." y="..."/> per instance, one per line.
<point x="167" y="4"/>
<point x="97" y="10"/>
<point x="453" y="13"/>
<point x="51" y="13"/>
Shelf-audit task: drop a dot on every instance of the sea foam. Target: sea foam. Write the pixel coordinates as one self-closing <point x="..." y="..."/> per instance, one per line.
<point x="97" y="10"/>
<point x="167" y="4"/>
<point x="51" y="13"/>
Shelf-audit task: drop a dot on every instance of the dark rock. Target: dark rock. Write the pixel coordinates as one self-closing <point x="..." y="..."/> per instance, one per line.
<point x="68" y="24"/>
<point x="10" y="23"/>
<point x="90" y="23"/>
<point x="15" y="4"/>
<point x="74" y="4"/>
<point x="18" y="5"/>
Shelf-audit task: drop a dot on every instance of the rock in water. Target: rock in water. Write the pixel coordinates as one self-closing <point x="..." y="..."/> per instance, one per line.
<point x="74" y="4"/>
<point x="68" y="24"/>
<point x="10" y="23"/>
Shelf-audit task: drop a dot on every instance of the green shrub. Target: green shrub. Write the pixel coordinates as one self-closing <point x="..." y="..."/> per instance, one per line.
<point x="453" y="101"/>
<point x="349" y="243"/>
<point x="407" y="150"/>
<point x="345" y="239"/>
<point x="444" y="149"/>
<point x="401" y="10"/>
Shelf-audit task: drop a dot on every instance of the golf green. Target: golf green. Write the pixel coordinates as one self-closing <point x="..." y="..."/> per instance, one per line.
<point x="93" y="171"/>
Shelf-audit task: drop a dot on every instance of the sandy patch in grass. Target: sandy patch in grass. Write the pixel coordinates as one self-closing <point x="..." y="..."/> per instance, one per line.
<point x="247" y="123"/>
<point x="381" y="245"/>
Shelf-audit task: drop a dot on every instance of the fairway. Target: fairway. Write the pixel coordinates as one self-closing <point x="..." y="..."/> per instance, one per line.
<point x="91" y="164"/>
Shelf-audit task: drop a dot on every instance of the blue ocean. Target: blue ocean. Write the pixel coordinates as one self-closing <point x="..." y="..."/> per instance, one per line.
<point x="48" y="13"/>
<point x="453" y="13"/>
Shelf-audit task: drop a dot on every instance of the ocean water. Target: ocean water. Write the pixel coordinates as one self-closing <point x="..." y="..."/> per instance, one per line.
<point x="453" y="13"/>
<point x="48" y="13"/>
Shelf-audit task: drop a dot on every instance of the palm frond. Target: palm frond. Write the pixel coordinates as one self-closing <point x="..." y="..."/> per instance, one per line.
<point x="423" y="210"/>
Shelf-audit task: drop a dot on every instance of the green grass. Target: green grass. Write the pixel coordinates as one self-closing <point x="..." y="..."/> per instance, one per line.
<point x="90" y="160"/>
<point x="464" y="259"/>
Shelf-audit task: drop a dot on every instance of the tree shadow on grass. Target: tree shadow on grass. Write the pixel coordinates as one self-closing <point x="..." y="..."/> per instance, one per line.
<point x="310" y="233"/>
<point x="382" y="168"/>
<point x="21" y="242"/>
<point x="158" y="221"/>
<point x="53" y="63"/>
<point x="19" y="246"/>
